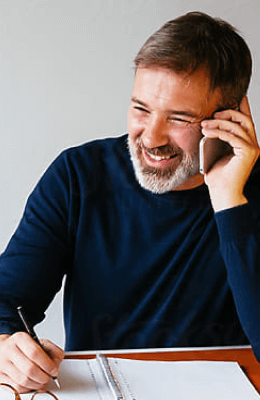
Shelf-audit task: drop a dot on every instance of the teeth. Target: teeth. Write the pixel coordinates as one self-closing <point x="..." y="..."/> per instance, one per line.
<point x="159" y="158"/>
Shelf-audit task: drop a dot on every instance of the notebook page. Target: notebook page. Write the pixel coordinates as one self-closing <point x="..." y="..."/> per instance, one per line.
<point x="182" y="380"/>
<point x="153" y="380"/>
<point x="78" y="379"/>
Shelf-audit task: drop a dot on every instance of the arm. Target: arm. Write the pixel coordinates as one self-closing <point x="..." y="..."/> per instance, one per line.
<point x="238" y="223"/>
<point x="31" y="272"/>
<point x="39" y="253"/>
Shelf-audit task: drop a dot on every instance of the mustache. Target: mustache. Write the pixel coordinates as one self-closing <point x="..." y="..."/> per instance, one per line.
<point x="166" y="150"/>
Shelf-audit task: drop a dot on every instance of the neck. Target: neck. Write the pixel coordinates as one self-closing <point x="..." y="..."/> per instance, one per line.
<point x="191" y="183"/>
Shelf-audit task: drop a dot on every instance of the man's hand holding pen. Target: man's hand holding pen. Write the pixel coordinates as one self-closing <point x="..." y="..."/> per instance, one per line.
<point x="25" y="365"/>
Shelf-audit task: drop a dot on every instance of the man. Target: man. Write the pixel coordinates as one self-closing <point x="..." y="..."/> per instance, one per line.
<point x="153" y="255"/>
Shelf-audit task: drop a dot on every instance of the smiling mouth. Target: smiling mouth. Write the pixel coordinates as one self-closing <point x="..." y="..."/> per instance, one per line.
<point x="160" y="158"/>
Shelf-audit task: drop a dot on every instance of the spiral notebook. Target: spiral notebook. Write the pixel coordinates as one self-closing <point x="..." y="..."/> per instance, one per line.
<point x="152" y="380"/>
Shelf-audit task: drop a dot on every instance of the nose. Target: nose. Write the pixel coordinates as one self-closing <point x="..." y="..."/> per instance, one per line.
<point x="155" y="133"/>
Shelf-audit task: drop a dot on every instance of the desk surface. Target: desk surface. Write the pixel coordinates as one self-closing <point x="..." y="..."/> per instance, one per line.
<point x="244" y="356"/>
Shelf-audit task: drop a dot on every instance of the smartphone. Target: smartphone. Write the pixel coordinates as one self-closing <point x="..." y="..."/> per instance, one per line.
<point x="211" y="150"/>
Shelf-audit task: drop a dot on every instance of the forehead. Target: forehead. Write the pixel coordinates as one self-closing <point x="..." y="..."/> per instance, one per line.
<point x="162" y="88"/>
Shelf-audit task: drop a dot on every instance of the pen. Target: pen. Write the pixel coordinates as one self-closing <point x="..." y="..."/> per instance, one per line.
<point x="110" y="376"/>
<point x="33" y="335"/>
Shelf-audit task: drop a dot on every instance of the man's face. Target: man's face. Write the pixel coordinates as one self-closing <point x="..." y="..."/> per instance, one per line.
<point x="164" y="127"/>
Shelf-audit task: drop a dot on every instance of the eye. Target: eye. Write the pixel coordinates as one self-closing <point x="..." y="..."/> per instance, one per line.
<point x="179" y="121"/>
<point x="141" y="109"/>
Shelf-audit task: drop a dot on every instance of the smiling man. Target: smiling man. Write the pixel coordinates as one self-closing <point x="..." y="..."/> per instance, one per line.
<point x="164" y="125"/>
<point x="154" y="253"/>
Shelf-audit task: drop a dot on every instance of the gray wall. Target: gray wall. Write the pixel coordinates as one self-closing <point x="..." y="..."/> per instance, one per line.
<point x="66" y="77"/>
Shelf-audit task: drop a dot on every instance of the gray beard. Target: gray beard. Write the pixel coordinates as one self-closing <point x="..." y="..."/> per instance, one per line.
<point x="162" y="181"/>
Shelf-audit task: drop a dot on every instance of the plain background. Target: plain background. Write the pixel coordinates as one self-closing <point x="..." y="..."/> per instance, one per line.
<point x="66" y="77"/>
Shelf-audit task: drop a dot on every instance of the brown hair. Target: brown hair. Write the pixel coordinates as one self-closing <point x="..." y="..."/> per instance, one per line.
<point x="197" y="40"/>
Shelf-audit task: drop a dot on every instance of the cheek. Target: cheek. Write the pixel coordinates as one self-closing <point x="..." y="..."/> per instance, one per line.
<point x="134" y="125"/>
<point x="187" y="138"/>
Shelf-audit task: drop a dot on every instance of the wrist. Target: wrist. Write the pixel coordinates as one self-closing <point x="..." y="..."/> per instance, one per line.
<point x="222" y="201"/>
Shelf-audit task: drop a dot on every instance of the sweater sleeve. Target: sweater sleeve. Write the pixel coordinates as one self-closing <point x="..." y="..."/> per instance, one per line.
<point x="36" y="258"/>
<point x="240" y="247"/>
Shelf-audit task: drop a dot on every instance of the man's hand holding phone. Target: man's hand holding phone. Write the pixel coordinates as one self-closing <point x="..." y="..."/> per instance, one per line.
<point x="228" y="176"/>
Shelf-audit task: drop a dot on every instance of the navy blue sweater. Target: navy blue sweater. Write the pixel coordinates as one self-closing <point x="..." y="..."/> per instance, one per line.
<point x="142" y="270"/>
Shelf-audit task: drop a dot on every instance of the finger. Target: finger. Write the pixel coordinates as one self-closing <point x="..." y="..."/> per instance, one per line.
<point x="23" y="364"/>
<point x="37" y="355"/>
<point x="234" y="141"/>
<point x="54" y="352"/>
<point x="236" y="117"/>
<point x="242" y="117"/>
<point x="29" y="359"/>
<point x="20" y="380"/>
<point x="223" y="128"/>
<point x="18" y="386"/>
<point x="22" y="372"/>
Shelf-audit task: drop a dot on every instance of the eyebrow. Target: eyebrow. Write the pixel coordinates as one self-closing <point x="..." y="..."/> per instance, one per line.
<point x="175" y="112"/>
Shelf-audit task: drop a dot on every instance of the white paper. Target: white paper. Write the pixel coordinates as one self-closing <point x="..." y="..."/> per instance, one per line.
<point x="184" y="380"/>
<point x="154" y="380"/>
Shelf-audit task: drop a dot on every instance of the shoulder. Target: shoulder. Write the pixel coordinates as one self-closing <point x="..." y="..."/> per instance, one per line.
<point x="81" y="172"/>
<point x="97" y="151"/>
<point x="91" y="163"/>
<point x="97" y="146"/>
